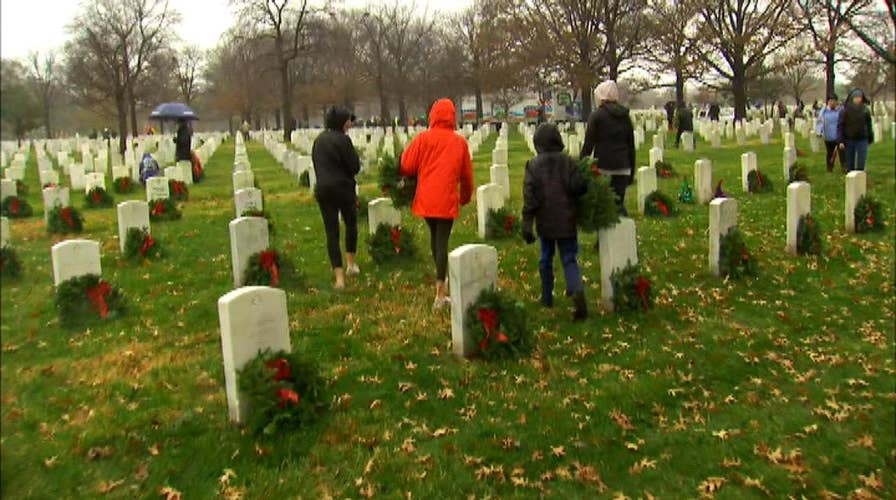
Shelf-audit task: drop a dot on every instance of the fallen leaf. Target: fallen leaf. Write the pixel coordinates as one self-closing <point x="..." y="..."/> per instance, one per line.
<point x="711" y="485"/>
<point x="558" y="451"/>
<point x="100" y="452"/>
<point x="107" y="486"/>
<point x="170" y="493"/>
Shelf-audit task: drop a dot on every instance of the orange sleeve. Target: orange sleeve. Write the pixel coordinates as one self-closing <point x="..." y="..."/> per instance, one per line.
<point x="466" y="177"/>
<point x="410" y="158"/>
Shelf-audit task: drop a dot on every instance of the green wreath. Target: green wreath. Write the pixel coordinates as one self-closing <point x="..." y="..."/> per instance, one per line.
<point x="657" y="204"/>
<point x="596" y="209"/>
<point x="394" y="185"/>
<point x="21" y="188"/>
<point x="178" y="190"/>
<point x="502" y="223"/>
<point x="868" y="216"/>
<point x="10" y="264"/>
<point x="797" y="172"/>
<point x="15" y="207"/>
<point x="164" y="209"/>
<point x="282" y="391"/>
<point x="757" y="182"/>
<point x="631" y="289"/>
<point x="664" y="169"/>
<point x="123" y="185"/>
<point x="735" y="259"/>
<point x="64" y="220"/>
<point x="98" y="198"/>
<point x="269" y="268"/>
<point x="808" y="236"/>
<point x="85" y="298"/>
<point x="390" y="243"/>
<point x="139" y="243"/>
<point x="498" y="325"/>
<point x="305" y="179"/>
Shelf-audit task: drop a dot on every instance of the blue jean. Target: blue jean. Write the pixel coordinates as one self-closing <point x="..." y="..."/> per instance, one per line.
<point x="569" y="250"/>
<point x="856" y="154"/>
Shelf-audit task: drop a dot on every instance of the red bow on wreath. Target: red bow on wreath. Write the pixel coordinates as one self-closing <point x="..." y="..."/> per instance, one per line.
<point x="95" y="196"/>
<point x="148" y="243"/>
<point x="125" y="183"/>
<point x="282" y="366"/>
<point x="66" y="214"/>
<point x="158" y="208"/>
<point x="662" y="207"/>
<point x="14" y="206"/>
<point x="744" y="254"/>
<point x="287" y="396"/>
<point x="760" y="179"/>
<point x="97" y="296"/>
<point x="642" y="286"/>
<point x="395" y="233"/>
<point x="508" y="223"/>
<point x="595" y="170"/>
<point x="489" y="319"/>
<point x="178" y="187"/>
<point x="268" y="260"/>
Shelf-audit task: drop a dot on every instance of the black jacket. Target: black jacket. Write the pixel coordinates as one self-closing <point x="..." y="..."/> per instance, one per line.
<point x="335" y="160"/>
<point x="611" y="137"/>
<point x="551" y="187"/>
<point x="855" y="122"/>
<point x="714" y="112"/>
<point x="685" y="120"/>
<point x="182" y="143"/>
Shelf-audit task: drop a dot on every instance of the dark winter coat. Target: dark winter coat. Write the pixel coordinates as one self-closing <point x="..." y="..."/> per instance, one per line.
<point x="714" y="112"/>
<point x="685" y="120"/>
<point x="855" y="122"/>
<point x="333" y="154"/>
<point x="182" y="142"/>
<point x="611" y="137"/>
<point x="551" y="187"/>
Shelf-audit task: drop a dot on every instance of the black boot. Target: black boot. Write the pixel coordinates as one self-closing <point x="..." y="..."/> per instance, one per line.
<point x="581" y="307"/>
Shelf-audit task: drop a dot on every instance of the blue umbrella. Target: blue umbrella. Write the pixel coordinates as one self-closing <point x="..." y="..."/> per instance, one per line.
<point x="173" y="111"/>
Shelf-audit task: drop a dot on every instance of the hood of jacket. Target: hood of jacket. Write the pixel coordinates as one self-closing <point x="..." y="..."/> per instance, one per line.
<point x="443" y="114"/>
<point x="547" y="139"/>
<point x="615" y="109"/>
<point x="336" y="117"/>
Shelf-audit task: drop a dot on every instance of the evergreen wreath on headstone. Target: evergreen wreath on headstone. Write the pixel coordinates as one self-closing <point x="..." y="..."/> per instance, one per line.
<point x="757" y="182"/>
<point x="631" y="289"/>
<point x="798" y="172"/>
<point x="394" y="185"/>
<point x="196" y="169"/>
<point x="657" y="204"/>
<point x="390" y="243"/>
<point x="10" y="264"/>
<point x="64" y="220"/>
<point x="178" y="190"/>
<point x="269" y="268"/>
<point x="664" y="169"/>
<point x="163" y="209"/>
<point x="808" y="236"/>
<point x="596" y="209"/>
<point x="87" y="297"/>
<point x="501" y="223"/>
<point x="15" y="207"/>
<point x="283" y="392"/>
<point x="123" y="185"/>
<point x="735" y="259"/>
<point x="98" y="198"/>
<point x="498" y="325"/>
<point x="868" y="216"/>
<point x="139" y="243"/>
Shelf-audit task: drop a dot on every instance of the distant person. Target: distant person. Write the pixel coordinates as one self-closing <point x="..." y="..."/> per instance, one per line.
<point x="336" y="164"/>
<point x="149" y="167"/>
<point x="714" y="111"/>
<point x="684" y="122"/>
<point x="183" y="140"/>
<point x="826" y="125"/>
<point x="782" y="110"/>
<point x="670" y="114"/>
<point x="245" y="128"/>
<point x="854" y="130"/>
<point x="440" y="159"/>
<point x="610" y="136"/>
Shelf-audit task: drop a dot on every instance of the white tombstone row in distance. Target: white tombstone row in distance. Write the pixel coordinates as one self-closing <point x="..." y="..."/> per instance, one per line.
<point x="76" y="174"/>
<point x="132" y="213"/>
<point x="722" y="217"/>
<point x="703" y="180"/>
<point x="488" y="197"/>
<point x="247" y="199"/>
<point x="248" y="236"/>
<point x="8" y="188"/>
<point x="656" y="154"/>
<point x="799" y="203"/>
<point x="252" y="319"/>
<point x="94" y="180"/>
<point x="472" y="268"/>
<point x="748" y="163"/>
<point x="381" y="211"/>
<point x="119" y="172"/>
<point x="856" y="185"/>
<point x="499" y="156"/>
<point x="243" y="179"/>
<point x="4" y="232"/>
<point x="49" y="176"/>
<point x="73" y="258"/>
<point x="500" y="175"/>
<point x="157" y="189"/>
<point x="54" y="197"/>
<point x="646" y="185"/>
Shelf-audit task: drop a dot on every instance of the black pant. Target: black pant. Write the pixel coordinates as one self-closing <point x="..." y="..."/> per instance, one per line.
<point x="439" y="232"/>
<point x="832" y="147"/>
<point x="332" y="202"/>
<point x="619" y="183"/>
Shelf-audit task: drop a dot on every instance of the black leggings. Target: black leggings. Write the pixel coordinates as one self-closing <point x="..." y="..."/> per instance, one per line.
<point x="619" y="183"/>
<point x="439" y="232"/>
<point x="333" y="202"/>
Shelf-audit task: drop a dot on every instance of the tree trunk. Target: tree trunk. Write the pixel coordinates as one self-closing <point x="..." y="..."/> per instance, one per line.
<point x="306" y="119"/>
<point x="121" y="106"/>
<point x="384" y="104"/>
<point x="230" y="124"/>
<point x="47" y="119"/>
<point x="402" y="111"/>
<point x="739" y="88"/>
<point x="132" y="103"/>
<point x="829" y="75"/>
<point x="679" y="89"/>
<point x="277" y="118"/>
<point x="478" y="91"/>
<point x="586" y="103"/>
<point x="285" y="95"/>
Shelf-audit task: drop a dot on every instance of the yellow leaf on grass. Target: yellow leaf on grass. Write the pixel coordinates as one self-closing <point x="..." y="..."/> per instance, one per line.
<point x="865" y="441"/>
<point x="558" y="451"/>
<point x="107" y="486"/>
<point x="640" y="465"/>
<point x="711" y="485"/>
<point x="170" y="493"/>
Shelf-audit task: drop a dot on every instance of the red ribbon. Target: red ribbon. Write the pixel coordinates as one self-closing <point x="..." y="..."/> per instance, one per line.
<point x="595" y="170"/>
<point x="395" y="233"/>
<point x="508" y="224"/>
<point x="14" y="206"/>
<point x="287" y="396"/>
<point x="642" y="286"/>
<point x="158" y="208"/>
<point x="95" y="196"/>
<point x="744" y="254"/>
<point x="268" y="260"/>
<point x="662" y="207"/>
<point x="282" y="366"/>
<point x="760" y="179"/>
<point x="148" y="243"/>
<point x="66" y="214"/>
<point x="178" y="187"/>
<point x="97" y="295"/>
<point x="489" y="319"/>
<point x="125" y="183"/>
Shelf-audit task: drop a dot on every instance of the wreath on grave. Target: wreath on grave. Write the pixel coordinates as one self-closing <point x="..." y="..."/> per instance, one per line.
<point x="138" y="242"/>
<point x="501" y="223"/>
<point x="361" y="205"/>
<point x="797" y="172"/>
<point x="596" y="209"/>
<point x="10" y="264"/>
<point x="394" y="185"/>
<point x="664" y="169"/>
<point x="735" y="259"/>
<point x="868" y="215"/>
<point x="123" y="185"/>
<point x="198" y="171"/>
<point x="64" y="220"/>
<point x="15" y="207"/>
<point x="658" y="204"/>
<point x="86" y="297"/>
<point x="305" y="179"/>
<point x="252" y="212"/>
<point x="21" y="188"/>
<point x="164" y="209"/>
<point x="283" y="391"/>
<point x="757" y="182"/>
<point x="269" y="268"/>
<point x="498" y="324"/>
<point x="686" y="193"/>
<point x="808" y="236"/>
<point x="631" y="289"/>
<point x="391" y="243"/>
<point x="178" y="190"/>
<point x="98" y="198"/>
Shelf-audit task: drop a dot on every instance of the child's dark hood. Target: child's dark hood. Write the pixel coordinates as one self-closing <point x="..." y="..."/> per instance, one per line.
<point x="547" y="139"/>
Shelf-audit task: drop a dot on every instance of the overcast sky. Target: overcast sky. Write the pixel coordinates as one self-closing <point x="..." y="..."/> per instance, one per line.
<point x="27" y="25"/>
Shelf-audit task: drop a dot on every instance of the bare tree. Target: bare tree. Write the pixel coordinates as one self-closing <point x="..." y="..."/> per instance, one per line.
<point x="188" y="69"/>
<point x="404" y="32"/>
<point x="238" y="83"/>
<point x="45" y="75"/>
<point x="374" y="59"/>
<point x="673" y="44"/>
<point x="825" y="20"/>
<point x="875" y="29"/>
<point x="19" y="109"/>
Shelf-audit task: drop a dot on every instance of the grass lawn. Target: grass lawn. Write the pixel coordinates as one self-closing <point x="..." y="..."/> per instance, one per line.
<point x="780" y="385"/>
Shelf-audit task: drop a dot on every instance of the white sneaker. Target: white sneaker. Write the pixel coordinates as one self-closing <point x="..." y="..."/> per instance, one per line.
<point x="353" y="270"/>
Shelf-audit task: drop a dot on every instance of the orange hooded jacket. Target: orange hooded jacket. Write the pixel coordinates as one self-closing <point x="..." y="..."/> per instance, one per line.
<point x="440" y="159"/>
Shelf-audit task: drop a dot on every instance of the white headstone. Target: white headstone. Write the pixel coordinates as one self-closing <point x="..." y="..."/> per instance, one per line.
<point x="799" y="203"/>
<point x="247" y="199"/>
<point x="500" y="175"/>
<point x="243" y="179"/>
<point x="133" y="213"/>
<point x="252" y="319"/>
<point x="788" y="159"/>
<point x="703" y="180"/>
<point x="49" y="177"/>
<point x="499" y="156"/>
<point x="646" y="185"/>
<point x="618" y="247"/>
<point x="747" y="165"/>
<point x="687" y="139"/>
<point x="722" y="217"/>
<point x="8" y="188"/>
<point x="94" y="179"/>
<point x="15" y="173"/>
<point x="119" y="172"/>
<point x="471" y="269"/>
<point x="656" y="154"/>
<point x="381" y="211"/>
<point x="54" y="197"/>
<point x="856" y="185"/>
<point x="488" y="197"/>
<point x="4" y="232"/>
<point x="73" y="258"/>
<point x="186" y="171"/>
<point x="157" y="188"/>
<point x="789" y="140"/>
<point x="659" y="140"/>
<point x="248" y="236"/>
<point x="76" y="177"/>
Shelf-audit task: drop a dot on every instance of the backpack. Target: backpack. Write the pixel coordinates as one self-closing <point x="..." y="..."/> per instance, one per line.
<point x="149" y="167"/>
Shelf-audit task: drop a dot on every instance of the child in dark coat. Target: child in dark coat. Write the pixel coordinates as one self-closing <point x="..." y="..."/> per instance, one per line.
<point x="550" y="190"/>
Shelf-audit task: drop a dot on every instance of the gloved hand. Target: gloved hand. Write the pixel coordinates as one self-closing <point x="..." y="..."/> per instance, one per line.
<point x="528" y="236"/>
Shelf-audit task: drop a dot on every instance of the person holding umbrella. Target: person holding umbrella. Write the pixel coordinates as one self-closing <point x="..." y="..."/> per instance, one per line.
<point x="182" y="141"/>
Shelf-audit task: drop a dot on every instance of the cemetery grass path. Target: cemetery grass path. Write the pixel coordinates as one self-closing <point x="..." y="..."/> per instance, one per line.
<point x="775" y="386"/>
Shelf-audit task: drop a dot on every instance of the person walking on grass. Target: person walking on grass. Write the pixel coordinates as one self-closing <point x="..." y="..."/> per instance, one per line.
<point x="551" y="187"/>
<point x="440" y="159"/>
<point x="684" y="123"/>
<point x="610" y="136"/>
<point x="183" y="141"/>
<point x="826" y="126"/>
<point x="854" y="130"/>
<point x="336" y="164"/>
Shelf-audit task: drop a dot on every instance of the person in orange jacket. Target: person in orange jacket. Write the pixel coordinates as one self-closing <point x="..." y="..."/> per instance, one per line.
<point x="440" y="159"/>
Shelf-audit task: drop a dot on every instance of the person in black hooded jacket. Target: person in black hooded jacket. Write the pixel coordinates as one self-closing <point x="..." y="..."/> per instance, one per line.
<point x="336" y="164"/>
<point x="551" y="187"/>
<point x="182" y="142"/>
<point x="855" y="131"/>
